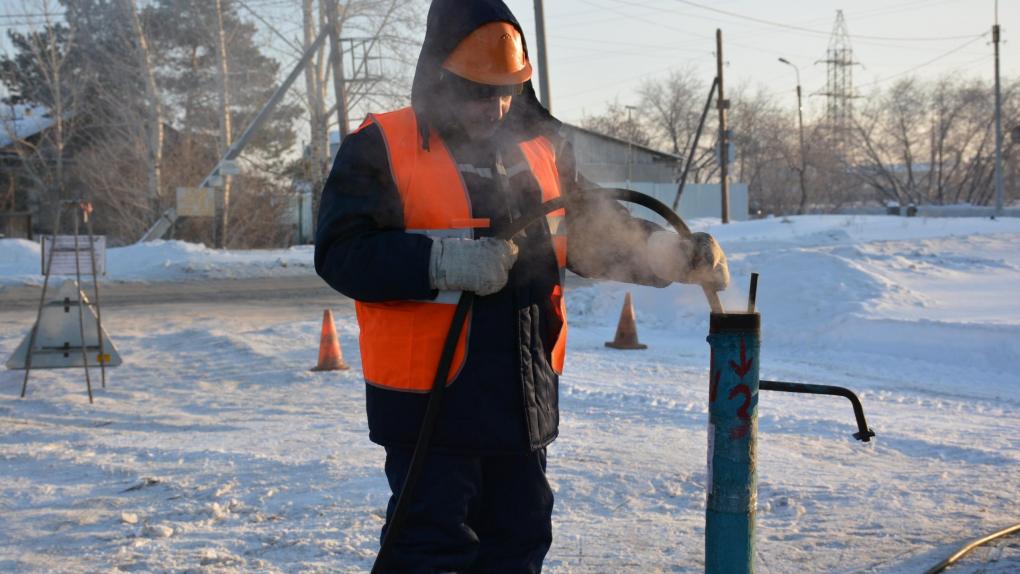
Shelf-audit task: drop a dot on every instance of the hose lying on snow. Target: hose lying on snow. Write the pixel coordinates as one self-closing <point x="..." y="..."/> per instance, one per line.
<point x="966" y="549"/>
<point x="460" y="314"/>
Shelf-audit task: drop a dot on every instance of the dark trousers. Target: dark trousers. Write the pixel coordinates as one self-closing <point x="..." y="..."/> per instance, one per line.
<point x="472" y="514"/>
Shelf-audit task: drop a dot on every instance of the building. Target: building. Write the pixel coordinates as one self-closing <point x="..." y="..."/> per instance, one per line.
<point x="613" y="162"/>
<point x="19" y="197"/>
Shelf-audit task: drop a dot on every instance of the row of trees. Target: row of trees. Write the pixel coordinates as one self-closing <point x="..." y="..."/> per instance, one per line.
<point x="914" y="142"/>
<point x="146" y="95"/>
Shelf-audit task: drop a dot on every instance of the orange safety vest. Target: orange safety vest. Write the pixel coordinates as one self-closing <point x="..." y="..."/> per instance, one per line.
<point x="401" y="341"/>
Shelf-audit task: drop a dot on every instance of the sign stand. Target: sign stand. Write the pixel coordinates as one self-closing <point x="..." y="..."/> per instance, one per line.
<point x="80" y="210"/>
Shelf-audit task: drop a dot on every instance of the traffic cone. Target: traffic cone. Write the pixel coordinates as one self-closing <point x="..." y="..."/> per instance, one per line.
<point x="626" y="330"/>
<point x="330" y="358"/>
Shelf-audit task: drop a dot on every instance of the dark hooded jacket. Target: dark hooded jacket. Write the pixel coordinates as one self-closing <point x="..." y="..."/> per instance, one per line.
<point x="505" y="399"/>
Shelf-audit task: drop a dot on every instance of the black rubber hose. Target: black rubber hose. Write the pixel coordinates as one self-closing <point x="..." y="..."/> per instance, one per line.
<point x="629" y="196"/>
<point x="464" y="304"/>
<point x="428" y="425"/>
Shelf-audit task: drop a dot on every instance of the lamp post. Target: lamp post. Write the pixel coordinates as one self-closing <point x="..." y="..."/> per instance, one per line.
<point x="800" y="121"/>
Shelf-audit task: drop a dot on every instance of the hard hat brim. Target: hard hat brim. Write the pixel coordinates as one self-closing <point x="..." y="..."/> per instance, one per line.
<point x="492" y="78"/>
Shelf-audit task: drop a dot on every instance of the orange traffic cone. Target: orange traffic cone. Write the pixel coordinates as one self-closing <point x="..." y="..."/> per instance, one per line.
<point x="626" y="330"/>
<point x="330" y="358"/>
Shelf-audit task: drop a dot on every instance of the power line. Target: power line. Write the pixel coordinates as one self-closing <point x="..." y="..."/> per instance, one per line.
<point x="925" y="64"/>
<point x="32" y="15"/>
<point x="818" y="32"/>
<point x="272" y="28"/>
<point x="646" y="20"/>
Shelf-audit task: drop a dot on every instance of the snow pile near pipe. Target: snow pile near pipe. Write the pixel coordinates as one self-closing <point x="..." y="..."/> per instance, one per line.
<point x="939" y="291"/>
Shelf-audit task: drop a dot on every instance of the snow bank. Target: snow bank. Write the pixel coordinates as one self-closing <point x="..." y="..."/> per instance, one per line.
<point x="911" y="286"/>
<point x="19" y="260"/>
<point x="940" y="291"/>
<point x="215" y="449"/>
<point x="165" y="261"/>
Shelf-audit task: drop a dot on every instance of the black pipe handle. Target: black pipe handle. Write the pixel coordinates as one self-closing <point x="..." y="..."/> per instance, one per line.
<point x="863" y="433"/>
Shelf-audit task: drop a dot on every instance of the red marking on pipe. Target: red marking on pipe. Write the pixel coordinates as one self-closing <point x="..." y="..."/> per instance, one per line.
<point x="745" y="363"/>
<point x="742" y="413"/>
<point x="746" y="391"/>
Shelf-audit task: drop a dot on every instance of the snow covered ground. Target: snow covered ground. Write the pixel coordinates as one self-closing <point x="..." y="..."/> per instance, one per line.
<point x="20" y="262"/>
<point x="213" y="449"/>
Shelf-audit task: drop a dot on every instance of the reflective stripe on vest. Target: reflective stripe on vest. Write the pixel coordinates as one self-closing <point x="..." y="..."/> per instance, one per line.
<point x="401" y="341"/>
<point x="541" y="158"/>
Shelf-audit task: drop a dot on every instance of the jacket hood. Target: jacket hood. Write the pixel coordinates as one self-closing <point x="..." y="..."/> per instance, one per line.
<point x="449" y="22"/>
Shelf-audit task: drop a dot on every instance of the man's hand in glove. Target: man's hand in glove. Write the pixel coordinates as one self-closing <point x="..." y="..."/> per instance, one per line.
<point x="698" y="259"/>
<point x="478" y="265"/>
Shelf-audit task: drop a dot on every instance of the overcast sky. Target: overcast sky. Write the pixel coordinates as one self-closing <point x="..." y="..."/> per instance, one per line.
<point x="601" y="50"/>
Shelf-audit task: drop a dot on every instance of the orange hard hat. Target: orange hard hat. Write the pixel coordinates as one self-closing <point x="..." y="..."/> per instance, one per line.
<point x="493" y="55"/>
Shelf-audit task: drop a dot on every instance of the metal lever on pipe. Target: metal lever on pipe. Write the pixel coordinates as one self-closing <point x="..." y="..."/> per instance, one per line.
<point x="863" y="434"/>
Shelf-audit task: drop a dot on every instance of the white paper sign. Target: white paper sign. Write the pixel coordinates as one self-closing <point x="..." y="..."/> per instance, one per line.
<point x="63" y="255"/>
<point x="196" y="202"/>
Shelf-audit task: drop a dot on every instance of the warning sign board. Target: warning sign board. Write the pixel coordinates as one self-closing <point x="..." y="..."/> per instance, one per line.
<point x="63" y="254"/>
<point x="196" y="202"/>
<point x="58" y="337"/>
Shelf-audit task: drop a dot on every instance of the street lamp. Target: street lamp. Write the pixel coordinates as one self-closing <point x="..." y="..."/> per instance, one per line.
<point x="800" y="121"/>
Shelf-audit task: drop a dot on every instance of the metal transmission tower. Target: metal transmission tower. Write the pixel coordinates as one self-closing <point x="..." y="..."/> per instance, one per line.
<point x="839" y="89"/>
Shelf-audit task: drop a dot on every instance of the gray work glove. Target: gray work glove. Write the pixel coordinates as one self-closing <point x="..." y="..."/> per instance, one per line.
<point x="478" y="265"/>
<point x="697" y="260"/>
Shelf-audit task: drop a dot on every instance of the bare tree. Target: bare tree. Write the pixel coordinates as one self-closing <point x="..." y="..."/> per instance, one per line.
<point x="929" y="142"/>
<point x="673" y="109"/>
<point x="621" y="122"/>
<point x="154" y="124"/>
<point x="389" y="32"/>
<point x="314" y="88"/>
<point x="225" y="132"/>
<point x="767" y="160"/>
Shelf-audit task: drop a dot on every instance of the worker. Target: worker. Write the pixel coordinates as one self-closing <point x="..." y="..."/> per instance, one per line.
<point x="407" y="221"/>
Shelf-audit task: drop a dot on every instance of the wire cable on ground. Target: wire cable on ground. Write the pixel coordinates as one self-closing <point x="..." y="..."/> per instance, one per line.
<point x="966" y="549"/>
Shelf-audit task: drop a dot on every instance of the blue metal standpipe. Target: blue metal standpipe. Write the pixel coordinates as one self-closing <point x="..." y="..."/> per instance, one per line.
<point x="735" y="340"/>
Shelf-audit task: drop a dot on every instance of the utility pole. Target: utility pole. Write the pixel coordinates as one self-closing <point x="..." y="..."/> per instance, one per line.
<point x="543" y="62"/>
<point x="154" y="113"/>
<point x="630" y="143"/>
<point x="319" y="144"/>
<point x="337" y="58"/>
<point x="167" y="219"/>
<point x="996" y="34"/>
<point x="800" y="122"/>
<point x="724" y="133"/>
<point x="694" y="144"/>
<point x="222" y="72"/>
